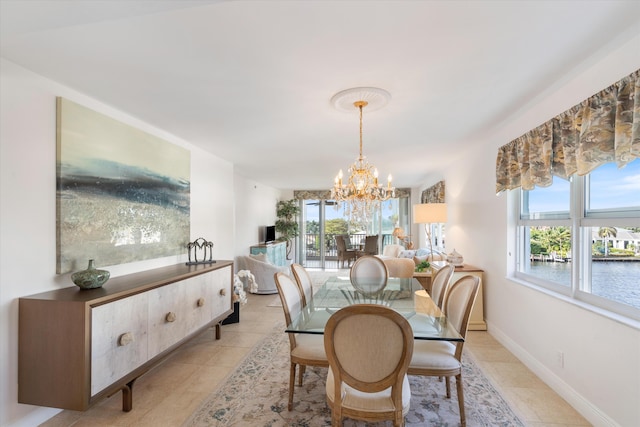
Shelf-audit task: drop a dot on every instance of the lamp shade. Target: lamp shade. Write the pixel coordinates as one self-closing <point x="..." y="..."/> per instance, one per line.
<point x="427" y="213"/>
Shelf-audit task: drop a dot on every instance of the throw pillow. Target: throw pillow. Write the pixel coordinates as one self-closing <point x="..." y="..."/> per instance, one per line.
<point x="422" y="252"/>
<point x="261" y="257"/>
<point x="406" y="254"/>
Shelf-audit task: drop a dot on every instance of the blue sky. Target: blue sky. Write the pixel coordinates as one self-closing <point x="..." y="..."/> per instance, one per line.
<point x="610" y="188"/>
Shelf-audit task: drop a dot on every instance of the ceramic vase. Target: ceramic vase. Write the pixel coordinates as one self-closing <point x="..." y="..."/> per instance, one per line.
<point x="90" y="278"/>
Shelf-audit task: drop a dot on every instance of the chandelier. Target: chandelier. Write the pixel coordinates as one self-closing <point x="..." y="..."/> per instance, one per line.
<point x="361" y="193"/>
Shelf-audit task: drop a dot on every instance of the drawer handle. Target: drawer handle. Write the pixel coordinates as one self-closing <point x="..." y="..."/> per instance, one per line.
<point x="223" y="291"/>
<point x="125" y="339"/>
<point x="200" y="302"/>
<point x="170" y="317"/>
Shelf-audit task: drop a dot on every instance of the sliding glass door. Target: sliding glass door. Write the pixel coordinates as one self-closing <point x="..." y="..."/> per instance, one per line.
<point x="322" y="220"/>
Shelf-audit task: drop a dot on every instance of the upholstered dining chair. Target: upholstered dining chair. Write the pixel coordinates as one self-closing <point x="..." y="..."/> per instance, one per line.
<point x="305" y="349"/>
<point x="369" y="275"/>
<point x="440" y="284"/>
<point x="303" y="279"/>
<point x="443" y="358"/>
<point x="344" y="254"/>
<point x="369" y="347"/>
<point x="370" y="246"/>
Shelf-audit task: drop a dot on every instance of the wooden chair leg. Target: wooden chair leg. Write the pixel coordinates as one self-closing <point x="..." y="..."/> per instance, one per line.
<point x="302" y="371"/>
<point x="463" y="418"/>
<point x="336" y="419"/>
<point x="292" y="381"/>
<point x="398" y="420"/>
<point x="447" y="381"/>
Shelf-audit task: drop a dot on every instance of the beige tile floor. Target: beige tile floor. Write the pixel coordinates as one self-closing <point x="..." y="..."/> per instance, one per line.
<point x="168" y="394"/>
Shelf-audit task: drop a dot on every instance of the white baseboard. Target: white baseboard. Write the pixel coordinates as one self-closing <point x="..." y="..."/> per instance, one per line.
<point x="588" y="410"/>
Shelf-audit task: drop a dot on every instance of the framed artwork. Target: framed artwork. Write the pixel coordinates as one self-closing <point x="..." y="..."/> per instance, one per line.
<point x="123" y="195"/>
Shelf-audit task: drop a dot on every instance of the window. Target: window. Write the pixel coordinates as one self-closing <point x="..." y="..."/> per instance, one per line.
<point x="581" y="238"/>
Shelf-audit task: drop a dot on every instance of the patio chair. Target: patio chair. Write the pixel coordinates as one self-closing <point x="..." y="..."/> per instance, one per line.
<point x="370" y="246"/>
<point x="344" y="254"/>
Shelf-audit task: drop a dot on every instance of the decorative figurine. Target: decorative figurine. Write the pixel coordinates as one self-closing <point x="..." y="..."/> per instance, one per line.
<point x="198" y="250"/>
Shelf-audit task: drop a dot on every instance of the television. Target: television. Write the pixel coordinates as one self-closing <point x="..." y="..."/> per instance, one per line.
<point x="269" y="233"/>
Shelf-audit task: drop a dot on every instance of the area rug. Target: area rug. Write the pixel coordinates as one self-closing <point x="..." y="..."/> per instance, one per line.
<point x="256" y="394"/>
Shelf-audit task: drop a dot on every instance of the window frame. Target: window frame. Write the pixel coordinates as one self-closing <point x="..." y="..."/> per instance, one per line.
<point x="579" y="221"/>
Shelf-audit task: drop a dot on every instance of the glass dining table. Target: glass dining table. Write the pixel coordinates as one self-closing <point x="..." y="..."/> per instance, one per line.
<point x="406" y="296"/>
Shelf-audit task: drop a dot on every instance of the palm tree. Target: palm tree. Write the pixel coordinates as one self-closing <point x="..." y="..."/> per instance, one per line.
<point x="560" y="239"/>
<point x="606" y="233"/>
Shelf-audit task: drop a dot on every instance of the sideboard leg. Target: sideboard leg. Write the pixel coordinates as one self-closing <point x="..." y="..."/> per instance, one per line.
<point x="127" y="396"/>
<point x="217" y="331"/>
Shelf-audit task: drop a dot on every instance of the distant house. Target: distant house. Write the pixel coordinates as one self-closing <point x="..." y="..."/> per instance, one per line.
<point x="624" y="239"/>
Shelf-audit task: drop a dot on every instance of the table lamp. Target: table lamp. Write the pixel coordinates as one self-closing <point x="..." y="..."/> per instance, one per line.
<point x="427" y="214"/>
<point x="398" y="233"/>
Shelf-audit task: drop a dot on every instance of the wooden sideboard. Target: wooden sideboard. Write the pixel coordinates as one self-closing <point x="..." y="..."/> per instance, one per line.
<point x="77" y="346"/>
<point x="476" y="320"/>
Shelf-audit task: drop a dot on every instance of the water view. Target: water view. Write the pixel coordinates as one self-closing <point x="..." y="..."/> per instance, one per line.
<point x="616" y="280"/>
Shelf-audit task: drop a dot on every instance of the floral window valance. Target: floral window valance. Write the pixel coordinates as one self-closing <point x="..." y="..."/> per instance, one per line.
<point x="602" y="129"/>
<point x="433" y="194"/>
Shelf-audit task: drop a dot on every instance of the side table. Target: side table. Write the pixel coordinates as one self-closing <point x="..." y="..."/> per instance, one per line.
<point x="425" y="279"/>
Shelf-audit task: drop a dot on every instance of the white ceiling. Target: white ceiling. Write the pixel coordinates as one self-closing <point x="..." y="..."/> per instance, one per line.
<point x="250" y="81"/>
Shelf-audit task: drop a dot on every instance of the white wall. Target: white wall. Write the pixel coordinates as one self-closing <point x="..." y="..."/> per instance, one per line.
<point x="28" y="211"/>
<point x="601" y="375"/>
<point x="255" y="208"/>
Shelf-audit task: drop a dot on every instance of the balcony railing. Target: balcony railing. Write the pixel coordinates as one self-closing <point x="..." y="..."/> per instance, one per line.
<point x="311" y="244"/>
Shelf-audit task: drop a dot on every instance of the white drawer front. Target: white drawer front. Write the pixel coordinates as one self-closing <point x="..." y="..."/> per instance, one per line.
<point x="200" y="301"/>
<point x="167" y="316"/>
<point x="118" y="339"/>
<point x="221" y="281"/>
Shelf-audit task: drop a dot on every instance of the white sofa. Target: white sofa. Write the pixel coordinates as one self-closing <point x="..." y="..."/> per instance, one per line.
<point x="417" y="255"/>
<point x="262" y="270"/>
<point x="391" y="252"/>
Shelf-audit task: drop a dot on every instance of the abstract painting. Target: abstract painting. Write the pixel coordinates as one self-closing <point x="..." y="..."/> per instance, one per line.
<point x="123" y="195"/>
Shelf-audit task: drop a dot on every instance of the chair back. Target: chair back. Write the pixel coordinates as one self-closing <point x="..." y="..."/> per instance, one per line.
<point x="369" y="348"/>
<point x="440" y="284"/>
<point x="304" y="282"/>
<point x="341" y="244"/>
<point x="369" y="275"/>
<point x="400" y="267"/>
<point x="370" y="245"/>
<point x="291" y="299"/>
<point x="458" y="304"/>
